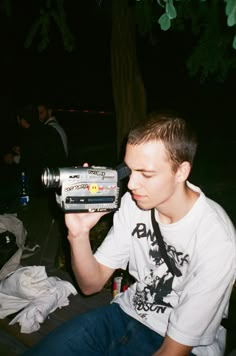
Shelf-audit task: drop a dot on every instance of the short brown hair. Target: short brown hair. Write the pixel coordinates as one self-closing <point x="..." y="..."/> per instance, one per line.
<point x="176" y="134"/>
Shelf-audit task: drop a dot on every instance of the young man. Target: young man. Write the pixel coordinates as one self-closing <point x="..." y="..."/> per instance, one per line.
<point x="40" y="147"/>
<point x="161" y="313"/>
<point x="46" y="117"/>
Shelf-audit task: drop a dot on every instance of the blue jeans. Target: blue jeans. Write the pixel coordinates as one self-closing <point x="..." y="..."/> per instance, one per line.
<point x="103" y="331"/>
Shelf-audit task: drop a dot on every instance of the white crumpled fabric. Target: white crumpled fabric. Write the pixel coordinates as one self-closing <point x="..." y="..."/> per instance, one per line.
<point x="30" y="291"/>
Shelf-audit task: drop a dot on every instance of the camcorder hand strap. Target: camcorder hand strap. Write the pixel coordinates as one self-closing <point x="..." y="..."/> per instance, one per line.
<point x="172" y="268"/>
<point x="123" y="171"/>
<point x="174" y="271"/>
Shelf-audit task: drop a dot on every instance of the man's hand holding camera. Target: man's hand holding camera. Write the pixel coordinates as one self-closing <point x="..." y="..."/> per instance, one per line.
<point x="80" y="224"/>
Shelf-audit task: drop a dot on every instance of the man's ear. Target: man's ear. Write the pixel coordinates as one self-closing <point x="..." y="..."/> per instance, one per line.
<point x="183" y="172"/>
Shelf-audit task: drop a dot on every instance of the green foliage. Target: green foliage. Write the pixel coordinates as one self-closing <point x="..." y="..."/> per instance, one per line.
<point x="7" y="7"/>
<point x="212" y="23"/>
<point x="143" y="15"/>
<point x="164" y="22"/>
<point x="212" y="53"/>
<point x="234" y="42"/>
<point x="51" y="12"/>
<point x="230" y="11"/>
<point x="211" y="57"/>
<point x="169" y="14"/>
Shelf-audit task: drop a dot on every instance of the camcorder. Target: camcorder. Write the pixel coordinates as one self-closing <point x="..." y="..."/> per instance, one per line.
<point x="86" y="189"/>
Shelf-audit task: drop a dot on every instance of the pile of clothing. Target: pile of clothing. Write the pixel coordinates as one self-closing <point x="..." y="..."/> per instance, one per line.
<point x="33" y="295"/>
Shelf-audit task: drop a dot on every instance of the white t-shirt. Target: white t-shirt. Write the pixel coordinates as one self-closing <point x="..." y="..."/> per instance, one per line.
<point x="55" y="124"/>
<point x="202" y="245"/>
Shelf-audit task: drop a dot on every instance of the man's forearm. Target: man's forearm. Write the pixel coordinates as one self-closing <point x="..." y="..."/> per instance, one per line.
<point x="88" y="272"/>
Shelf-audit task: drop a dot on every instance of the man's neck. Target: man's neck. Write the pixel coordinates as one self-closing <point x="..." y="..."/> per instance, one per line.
<point x="179" y="206"/>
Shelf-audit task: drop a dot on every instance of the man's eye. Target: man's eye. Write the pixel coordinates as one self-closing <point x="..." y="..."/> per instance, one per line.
<point x="147" y="175"/>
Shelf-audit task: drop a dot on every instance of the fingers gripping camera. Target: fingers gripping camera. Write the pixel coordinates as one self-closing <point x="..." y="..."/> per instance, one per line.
<point x="83" y="189"/>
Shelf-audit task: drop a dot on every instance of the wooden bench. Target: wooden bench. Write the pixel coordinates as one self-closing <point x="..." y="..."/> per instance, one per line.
<point x="78" y="304"/>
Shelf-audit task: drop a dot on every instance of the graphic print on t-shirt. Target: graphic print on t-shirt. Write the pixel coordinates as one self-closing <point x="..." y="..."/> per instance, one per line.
<point x="152" y="292"/>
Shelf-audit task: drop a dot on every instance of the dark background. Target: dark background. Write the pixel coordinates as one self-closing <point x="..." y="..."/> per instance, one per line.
<point x="79" y="85"/>
<point x="82" y="79"/>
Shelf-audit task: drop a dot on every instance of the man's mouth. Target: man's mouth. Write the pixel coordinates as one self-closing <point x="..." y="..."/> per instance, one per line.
<point x="137" y="197"/>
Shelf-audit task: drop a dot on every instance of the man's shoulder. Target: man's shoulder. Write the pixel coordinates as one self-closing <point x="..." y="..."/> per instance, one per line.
<point x="208" y="207"/>
<point x="216" y="211"/>
<point x="52" y="120"/>
<point x="49" y="130"/>
<point x="213" y="222"/>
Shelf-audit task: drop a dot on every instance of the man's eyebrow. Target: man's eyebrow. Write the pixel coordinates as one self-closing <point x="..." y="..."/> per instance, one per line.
<point x="141" y="169"/>
<point x="144" y="170"/>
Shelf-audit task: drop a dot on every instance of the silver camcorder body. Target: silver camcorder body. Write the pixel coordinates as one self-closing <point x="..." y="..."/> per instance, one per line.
<point x="86" y="189"/>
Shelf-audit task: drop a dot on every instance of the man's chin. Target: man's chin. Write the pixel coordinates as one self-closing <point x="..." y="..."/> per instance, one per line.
<point x="142" y="206"/>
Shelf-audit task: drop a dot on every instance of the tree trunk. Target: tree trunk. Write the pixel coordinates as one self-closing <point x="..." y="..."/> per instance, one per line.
<point x="128" y="89"/>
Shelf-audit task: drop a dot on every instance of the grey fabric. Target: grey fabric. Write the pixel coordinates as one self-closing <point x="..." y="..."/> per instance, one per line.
<point x="9" y="222"/>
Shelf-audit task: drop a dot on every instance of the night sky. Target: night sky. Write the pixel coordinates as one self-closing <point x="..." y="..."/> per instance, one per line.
<point x="82" y="78"/>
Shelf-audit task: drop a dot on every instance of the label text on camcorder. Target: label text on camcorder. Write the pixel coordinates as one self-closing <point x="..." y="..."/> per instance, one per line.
<point x="96" y="173"/>
<point x="76" y="187"/>
<point x="75" y="176"/>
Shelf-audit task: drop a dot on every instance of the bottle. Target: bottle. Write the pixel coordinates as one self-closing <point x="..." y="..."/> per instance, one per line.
<point x="24" y="191"/>
<point x="117" y="281"/>
<point x="121" y="281"/>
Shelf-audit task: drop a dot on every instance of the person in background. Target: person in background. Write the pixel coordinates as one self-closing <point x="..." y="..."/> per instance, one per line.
<point x="12" y="155"/>
<point x="45" y="114"/>
<point x="9" y="177"/>
<point x="56" y="147"/>
<point x="39" y="145"/>
<point x="162" y="313"/>
<point x="30" y="148"/>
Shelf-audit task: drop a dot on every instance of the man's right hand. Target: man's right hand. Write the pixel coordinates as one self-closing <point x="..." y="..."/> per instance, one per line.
<point x="90" y="275"/>
<point x="81" y="223"/>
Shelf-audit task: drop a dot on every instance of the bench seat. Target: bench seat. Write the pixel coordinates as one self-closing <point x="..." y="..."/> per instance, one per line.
<point x="78" y="304"/>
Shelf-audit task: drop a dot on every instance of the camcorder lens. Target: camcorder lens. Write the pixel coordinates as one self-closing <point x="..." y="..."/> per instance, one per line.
<point x="51" y="178"/>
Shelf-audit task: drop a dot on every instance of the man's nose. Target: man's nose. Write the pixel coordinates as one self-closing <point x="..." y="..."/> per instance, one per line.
<point x="133" y="181"/>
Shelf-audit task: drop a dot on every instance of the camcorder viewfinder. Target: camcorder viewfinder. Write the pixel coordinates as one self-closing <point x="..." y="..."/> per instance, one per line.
<point x="86" y="189"/>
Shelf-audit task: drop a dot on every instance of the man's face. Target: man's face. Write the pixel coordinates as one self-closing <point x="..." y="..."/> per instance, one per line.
<point x="43" y="113"/>
<point x="152" y="182"/>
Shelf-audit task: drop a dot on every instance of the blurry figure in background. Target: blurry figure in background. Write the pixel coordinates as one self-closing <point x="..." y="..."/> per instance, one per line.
<point x="24" y="153"/>
<point x="32" y="156"/>
<point x="12" y="156"/>
<point x="35" y="147"/>
<point x="29" y="139"/>
<point x="9" y="177"/>
<point x="46" y="117"/>
<point x="59" y="154"/>
<point x="40" y="146"/>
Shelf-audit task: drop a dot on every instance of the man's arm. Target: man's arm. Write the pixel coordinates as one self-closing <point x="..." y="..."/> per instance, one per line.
<point x="173" y="348"/>
<point x="90" y="274"/>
